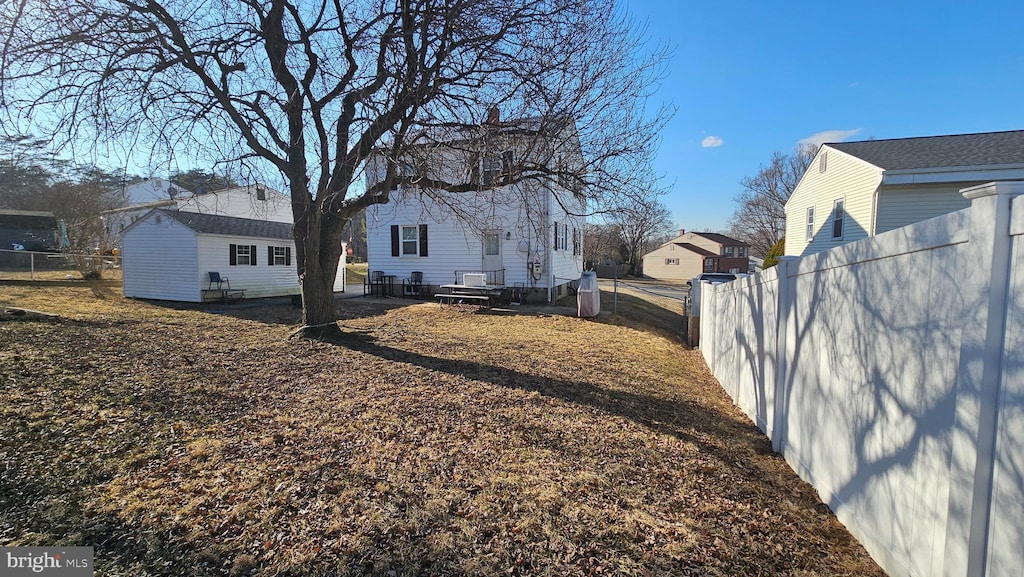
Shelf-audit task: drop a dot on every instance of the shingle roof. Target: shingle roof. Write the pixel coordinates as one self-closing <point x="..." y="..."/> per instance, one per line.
<point x="229" y="225"/>
<point x="720" y="238"/>
<point x="695" y="248"/>
<point x="28" y="219"/>
<point x="957" y="150"/>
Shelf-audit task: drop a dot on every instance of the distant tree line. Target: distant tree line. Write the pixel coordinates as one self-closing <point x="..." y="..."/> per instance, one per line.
<point x="33" y="179"/>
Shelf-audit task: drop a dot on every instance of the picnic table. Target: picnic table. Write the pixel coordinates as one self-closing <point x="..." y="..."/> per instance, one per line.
<point x="469" y="294"/>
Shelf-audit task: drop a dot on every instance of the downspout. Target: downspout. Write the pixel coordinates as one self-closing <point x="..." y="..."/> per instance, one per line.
<point x="873" y="225"/>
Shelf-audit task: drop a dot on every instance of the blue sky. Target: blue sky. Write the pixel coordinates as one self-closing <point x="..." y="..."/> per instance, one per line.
<point x="750" y="78"/>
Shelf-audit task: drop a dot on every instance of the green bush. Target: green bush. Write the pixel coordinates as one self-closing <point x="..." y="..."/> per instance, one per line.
<point x="778" y="249"/>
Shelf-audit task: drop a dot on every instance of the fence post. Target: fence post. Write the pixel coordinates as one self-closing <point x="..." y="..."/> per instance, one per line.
<point x="973" y="438"/>
<point x="783" y="318"/>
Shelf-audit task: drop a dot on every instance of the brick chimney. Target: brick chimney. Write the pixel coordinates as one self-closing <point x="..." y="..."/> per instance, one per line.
<point x="682" y="231"/>
<point x="493" y="115"/>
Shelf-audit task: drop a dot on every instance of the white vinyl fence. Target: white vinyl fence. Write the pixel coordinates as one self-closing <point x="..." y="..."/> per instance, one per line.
<point x="890" y="374"/>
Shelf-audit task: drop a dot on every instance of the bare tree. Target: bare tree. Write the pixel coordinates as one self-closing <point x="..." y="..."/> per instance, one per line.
<point x="640" y="224"/>
<point x="602" y="242"/>
<point x="312" y="89"/>
<point x="760" y="216"/>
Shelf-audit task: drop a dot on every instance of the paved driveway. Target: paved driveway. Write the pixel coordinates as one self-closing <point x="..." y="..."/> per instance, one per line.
<point x="672" y="291"/>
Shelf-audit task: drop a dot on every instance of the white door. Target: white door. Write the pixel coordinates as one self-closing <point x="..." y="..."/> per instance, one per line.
<point x="492" y="251"/>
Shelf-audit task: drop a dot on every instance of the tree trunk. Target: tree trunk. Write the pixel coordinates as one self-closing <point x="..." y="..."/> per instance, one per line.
<point x="317" y="263"/>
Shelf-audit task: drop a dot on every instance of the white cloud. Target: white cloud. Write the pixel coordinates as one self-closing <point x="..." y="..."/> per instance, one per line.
<point x="820" y="138"/>
<point x="711" y="141"/>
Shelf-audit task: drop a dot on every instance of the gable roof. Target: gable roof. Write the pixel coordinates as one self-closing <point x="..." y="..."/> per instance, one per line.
<point x="229" y="225"/>
<point x="957" y="150"/>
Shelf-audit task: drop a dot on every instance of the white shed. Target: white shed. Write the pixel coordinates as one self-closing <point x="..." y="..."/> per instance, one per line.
<point x="169" y="255"/>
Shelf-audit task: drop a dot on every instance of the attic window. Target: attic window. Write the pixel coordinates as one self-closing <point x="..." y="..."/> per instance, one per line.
<point x="823" y="161"/>
<point x="261" y="194"/>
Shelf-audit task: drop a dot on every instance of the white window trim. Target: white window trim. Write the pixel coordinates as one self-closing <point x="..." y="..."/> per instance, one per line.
<point x="238" y="255"/>
<point x="280" y="255"/>
<point x="809" y="231"/>
<point x="842" y="221"/>
<point x="402" y="240"/>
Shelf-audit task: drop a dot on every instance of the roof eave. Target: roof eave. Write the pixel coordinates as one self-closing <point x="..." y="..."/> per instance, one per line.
<point x="953" y="174"/>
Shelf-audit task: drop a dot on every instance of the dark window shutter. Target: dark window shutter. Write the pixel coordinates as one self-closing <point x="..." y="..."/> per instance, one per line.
<point x="232" y="255"/>
<point x="556" y="236"/>
<point x="270" y="255"/>
<point x="252" y="254"/>
<point x="288" y="256"/>
<point x="394" y="240"/>
<point x="423" y="240"/>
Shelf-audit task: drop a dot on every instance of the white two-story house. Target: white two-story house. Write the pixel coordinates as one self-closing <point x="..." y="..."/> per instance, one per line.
<point x="524" y="235"/>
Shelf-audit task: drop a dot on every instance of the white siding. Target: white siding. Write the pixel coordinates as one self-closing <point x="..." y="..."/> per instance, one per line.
<point x="899" y="206"/>
<point x="159" y="261"/>
<point x="454" y="244"/>
<point x="845" y="177"/>
<point x="261" y="280"/>
<point x="242" y="202"/>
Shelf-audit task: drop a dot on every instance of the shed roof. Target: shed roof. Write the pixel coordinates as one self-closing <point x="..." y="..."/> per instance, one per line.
<point x="957" y="150"/>
<point x="229" y="225"/>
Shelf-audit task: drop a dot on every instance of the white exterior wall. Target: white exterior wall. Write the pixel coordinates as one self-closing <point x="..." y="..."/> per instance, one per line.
<point x="890" y="374"/>
<point x="159" y="261"/>
<point x="566" y="267"/>
<point x="902" y="205"/>
<point x="455" y="245"/>
<point x="845" y="177"/>
<point x="241" y="202"/>
<point x="258" y="281"/>
<point x="169" y="261"/>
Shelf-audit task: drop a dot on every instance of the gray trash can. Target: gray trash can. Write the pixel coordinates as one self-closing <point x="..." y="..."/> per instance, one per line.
<point x="588" y="297"/>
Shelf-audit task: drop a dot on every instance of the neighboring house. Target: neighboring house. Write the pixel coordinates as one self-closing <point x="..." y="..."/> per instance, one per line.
<point x="692" y="253"/>
<point x="527" y="235"/>
<point x="853" y="190"/>
<point x="168" y="255"/>
<point x="255" y="202"/>
<point x="26" y="230"/>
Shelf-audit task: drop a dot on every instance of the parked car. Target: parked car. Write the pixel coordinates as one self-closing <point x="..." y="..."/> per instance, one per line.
<point x="713" y="278"/>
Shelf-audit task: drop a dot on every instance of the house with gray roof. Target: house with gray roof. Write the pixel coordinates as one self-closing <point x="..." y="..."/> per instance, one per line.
<point x="169" y="254"/>
<point x="692" y="253"/>
<point x="853" y="190"/>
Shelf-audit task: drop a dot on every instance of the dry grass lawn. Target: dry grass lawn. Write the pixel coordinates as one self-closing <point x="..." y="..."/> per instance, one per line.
<point x="432" y="442"/>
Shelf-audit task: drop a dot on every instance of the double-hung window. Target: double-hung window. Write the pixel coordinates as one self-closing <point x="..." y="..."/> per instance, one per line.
<point x="810" y="224"/>
<point x="838" y="216"/>
<point x="242" y="255"/>
<point x="279" y="255"/>
<point x="410" y="241"/>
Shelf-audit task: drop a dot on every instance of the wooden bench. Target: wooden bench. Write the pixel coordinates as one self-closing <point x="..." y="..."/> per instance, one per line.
<point x="458" y="298"/>
<point x="223" y="295"/>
